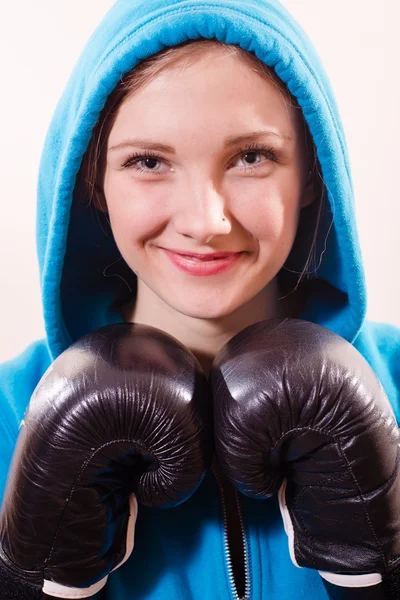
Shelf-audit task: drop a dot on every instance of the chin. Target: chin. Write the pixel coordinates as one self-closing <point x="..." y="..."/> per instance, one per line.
<point x="209" y="311"/>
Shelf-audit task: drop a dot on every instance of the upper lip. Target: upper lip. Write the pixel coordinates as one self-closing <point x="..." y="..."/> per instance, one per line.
<point x="198" y="255"/>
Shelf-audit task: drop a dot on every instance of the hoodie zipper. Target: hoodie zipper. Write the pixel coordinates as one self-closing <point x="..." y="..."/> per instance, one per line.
<point x="247" y="586"/>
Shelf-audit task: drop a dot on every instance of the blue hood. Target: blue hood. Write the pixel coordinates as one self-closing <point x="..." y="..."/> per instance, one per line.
<point x="83" y="275"/>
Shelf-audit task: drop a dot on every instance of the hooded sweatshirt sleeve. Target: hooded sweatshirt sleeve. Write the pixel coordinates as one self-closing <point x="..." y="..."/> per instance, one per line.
<point x="18" y="378"/>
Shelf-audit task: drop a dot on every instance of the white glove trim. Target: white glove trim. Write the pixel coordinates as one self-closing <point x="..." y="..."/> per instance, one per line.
<point x="358" y="581"/>
<point x="130" y="530"/>
<point x="342" y="580"/>
<point x="51" y="588"/>
<point x="287" y="521"/>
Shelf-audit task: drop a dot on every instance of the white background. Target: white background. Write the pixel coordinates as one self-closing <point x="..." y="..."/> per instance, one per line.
<point x="39" y="44"/>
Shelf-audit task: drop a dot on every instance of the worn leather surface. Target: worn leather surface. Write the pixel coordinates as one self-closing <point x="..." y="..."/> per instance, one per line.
<point x="123" y="410"/>
<point x="292" y="399"/>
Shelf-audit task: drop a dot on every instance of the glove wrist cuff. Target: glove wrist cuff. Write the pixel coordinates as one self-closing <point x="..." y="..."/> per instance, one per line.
<point x="51" y="588"/>
<point x="347" y="580"/>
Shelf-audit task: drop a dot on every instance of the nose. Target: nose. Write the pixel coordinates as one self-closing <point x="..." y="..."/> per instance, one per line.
<point x="201" y="214"/>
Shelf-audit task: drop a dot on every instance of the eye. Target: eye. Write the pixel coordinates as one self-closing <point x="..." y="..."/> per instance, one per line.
<point x="147" y="158"/>
<point x="251" y="151"/>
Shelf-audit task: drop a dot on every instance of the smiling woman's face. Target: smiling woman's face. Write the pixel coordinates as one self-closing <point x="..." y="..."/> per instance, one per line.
<point x="207" y="193"/>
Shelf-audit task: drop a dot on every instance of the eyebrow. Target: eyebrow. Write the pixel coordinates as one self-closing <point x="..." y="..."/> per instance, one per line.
<point x="230" y="141"/>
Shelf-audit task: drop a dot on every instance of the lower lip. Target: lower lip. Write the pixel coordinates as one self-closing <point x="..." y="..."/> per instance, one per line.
<point x="203" y="267"/>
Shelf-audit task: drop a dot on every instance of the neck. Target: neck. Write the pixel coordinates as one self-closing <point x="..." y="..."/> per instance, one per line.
<point x="205" y="337"/>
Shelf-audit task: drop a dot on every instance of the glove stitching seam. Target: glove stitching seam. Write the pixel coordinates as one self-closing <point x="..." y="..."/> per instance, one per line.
<point x="83" y="467"/>
<point x="379" y="545"/>
<point x="336" y="440"/>
<point x="304" y="428"/>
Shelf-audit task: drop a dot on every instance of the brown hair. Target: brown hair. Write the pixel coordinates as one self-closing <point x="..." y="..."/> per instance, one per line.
<point x="92" y="169"/>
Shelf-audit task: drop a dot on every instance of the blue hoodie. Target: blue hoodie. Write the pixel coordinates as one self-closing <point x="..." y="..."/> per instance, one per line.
<point x="183" y="552"/>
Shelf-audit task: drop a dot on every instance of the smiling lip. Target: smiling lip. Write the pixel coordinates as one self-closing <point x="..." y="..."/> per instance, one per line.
<point x="202" y="267"/>
<point x="208" y="256"/>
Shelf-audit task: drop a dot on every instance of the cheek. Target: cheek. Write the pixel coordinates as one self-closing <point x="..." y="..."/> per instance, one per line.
<point x="269" y="211"/>
<point x="135" y="210"/>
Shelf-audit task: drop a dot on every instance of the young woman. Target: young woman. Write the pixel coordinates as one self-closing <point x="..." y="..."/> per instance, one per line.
<point x="189" y="129"/>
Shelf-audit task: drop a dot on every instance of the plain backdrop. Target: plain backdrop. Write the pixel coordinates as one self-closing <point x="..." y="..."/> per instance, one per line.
<point x="39" y="44"/>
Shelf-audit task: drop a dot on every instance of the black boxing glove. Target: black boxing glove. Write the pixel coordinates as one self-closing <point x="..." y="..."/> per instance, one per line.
<point x="123" y="414"/>
<point x="298" y="409"/>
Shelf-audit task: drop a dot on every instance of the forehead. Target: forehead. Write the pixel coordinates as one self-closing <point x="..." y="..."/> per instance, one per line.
<point x="213" y="70"/>
<point x="213" y="91"/>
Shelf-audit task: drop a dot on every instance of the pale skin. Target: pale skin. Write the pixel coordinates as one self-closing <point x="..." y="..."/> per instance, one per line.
<point x="207" y="198"/>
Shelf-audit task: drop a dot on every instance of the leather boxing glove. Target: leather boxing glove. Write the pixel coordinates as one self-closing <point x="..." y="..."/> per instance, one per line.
<point x="299" y="411"/>
<point x="120" y="417"/>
